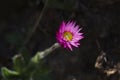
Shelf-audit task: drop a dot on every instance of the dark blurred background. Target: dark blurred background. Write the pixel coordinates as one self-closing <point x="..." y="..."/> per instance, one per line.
<point x="99" y="19"/>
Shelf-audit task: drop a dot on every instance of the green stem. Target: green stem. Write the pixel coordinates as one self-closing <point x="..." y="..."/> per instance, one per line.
<point x="43" y="54"/>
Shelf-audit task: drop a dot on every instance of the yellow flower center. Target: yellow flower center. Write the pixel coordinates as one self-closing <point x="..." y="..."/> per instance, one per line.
<point x="68" y="35"/>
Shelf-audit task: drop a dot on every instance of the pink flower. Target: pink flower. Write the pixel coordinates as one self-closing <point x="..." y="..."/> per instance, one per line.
<point x="69" y="35"/>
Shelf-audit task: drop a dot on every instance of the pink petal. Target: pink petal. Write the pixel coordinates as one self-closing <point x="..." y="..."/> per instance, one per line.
<point x="69" y="46"/>
<point x="74" y="44"/>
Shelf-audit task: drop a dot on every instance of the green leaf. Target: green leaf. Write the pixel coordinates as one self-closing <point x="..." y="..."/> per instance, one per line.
<point x="9" y="74"/>
<point x="19" y="63"/>
<point x="37" y="58"/>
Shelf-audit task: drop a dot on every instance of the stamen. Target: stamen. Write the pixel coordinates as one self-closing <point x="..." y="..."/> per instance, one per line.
<point x="68" y="35"/>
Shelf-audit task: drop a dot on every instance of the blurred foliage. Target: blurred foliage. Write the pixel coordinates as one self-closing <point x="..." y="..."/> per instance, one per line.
<point x="8" y="74"/>
<point x="27" y="69"/>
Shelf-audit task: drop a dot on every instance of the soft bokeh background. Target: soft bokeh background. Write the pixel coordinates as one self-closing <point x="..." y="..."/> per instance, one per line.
<point x="99" y="19"/>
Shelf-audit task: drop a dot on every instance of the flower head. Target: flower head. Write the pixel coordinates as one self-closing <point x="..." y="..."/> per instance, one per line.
<point x="69" y="35"/>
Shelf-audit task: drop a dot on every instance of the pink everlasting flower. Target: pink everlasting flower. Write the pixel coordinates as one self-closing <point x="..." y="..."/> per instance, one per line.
<point x="69" y="35"/>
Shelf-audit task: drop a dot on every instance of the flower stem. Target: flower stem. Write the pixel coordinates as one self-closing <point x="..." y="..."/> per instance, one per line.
<point x="43" y="54"/>
<point x="49" y="50"/>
